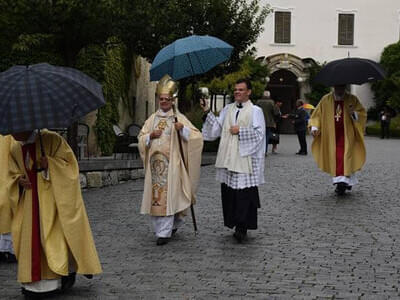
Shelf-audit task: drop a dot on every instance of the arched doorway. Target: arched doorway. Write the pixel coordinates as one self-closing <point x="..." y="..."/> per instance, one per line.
<point x="284" y="87"/>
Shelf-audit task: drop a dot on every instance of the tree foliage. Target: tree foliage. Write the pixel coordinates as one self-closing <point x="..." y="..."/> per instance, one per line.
<point x="159" y="23"/>
<point x="64" y="26"/>
<point x="59" y="31"/>
<point x="249" y="68"/>
<point x="387" y="91"/>
<point x="317" y="90"/>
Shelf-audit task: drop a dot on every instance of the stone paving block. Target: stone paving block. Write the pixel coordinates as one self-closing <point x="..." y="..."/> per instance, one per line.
<point x="94" y="179"/>
<point x="110" y="178"/>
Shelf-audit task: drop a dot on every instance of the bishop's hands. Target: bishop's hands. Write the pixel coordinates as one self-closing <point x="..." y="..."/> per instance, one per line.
<point x="315" y="132"/>
<point x="178" y="126"/>
<point x="351" y="109"/>
<point x="24" y="182"/>
<point x="155" y="134"/>
<point x="44" y="163"/>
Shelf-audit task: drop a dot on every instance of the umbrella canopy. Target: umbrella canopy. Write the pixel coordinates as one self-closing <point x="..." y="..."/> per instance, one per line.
<point x="189" y="56"/>
<point x="350" y="70"/>
<point x="45" y="96"/>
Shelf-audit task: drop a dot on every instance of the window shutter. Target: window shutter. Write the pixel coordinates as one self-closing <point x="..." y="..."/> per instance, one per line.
<point x="282" y="27"/>
<point x="346" y="29"/>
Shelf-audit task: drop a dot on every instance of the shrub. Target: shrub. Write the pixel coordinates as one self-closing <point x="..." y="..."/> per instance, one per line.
<point x="375" y="128"/>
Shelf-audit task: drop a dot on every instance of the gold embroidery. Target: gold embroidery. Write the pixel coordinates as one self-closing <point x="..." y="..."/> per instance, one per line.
<point x="159" y="178"/>
<point x="162" y="124"/>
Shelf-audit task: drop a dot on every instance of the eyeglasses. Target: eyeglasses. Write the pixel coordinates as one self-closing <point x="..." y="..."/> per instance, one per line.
<point x="165" y="99"/>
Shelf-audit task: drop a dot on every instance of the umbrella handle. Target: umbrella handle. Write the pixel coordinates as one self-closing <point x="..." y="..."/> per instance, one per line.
<point x="41" y="151"/>
<point x="41" y="145"/>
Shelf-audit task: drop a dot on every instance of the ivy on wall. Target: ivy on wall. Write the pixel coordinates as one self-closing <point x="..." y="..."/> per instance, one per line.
<point x="108" y="66"/>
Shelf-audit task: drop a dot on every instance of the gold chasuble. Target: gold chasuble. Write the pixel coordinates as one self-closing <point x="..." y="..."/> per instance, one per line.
<point x="65" y="236"/>
<point x="169" y="186"/>
<point x="324" y="145"/>
<point x="5" y="209"/>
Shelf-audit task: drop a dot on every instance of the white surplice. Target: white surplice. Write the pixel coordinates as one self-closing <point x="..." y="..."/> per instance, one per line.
<point x="251" y="143"/>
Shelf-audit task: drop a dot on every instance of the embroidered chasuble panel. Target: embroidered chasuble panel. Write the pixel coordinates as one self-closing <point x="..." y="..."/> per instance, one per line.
<point x="159" y="181"/>
<point x="159" y="163"/>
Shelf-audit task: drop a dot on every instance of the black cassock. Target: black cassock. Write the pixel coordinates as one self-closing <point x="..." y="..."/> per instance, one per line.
<point x="240" y="206"/>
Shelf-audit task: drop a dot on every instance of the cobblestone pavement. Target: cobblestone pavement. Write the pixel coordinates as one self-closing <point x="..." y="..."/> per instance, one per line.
<point x="310" y="244"/>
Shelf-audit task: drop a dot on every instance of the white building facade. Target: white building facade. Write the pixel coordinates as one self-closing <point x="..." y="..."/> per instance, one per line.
<point x="299" y="32"/>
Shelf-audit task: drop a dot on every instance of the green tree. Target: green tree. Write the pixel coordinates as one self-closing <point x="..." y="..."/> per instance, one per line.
<point x="249" y="68"/>
<point x="159" y="23"/>
<point x="148" y="26"/>
<point x="317" y="90"/>
<point x="64" y="26"/>
<point x="387" y="91"/>
<point x="57" y="31"/>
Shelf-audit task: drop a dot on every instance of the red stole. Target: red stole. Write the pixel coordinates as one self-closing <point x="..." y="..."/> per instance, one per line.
<point x="36" y="244"/>
<point x="339" y="133"/>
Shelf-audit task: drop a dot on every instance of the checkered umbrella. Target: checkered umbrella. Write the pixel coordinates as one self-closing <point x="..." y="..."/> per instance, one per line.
<point x="45" y="96"/>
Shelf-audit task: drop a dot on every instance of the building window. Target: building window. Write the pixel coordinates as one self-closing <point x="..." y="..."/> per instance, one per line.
<point x="346" y="29"/>
<point x="282" y="27"/>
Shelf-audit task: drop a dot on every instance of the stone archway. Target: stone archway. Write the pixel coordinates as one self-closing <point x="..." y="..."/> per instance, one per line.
<point x="287" y="82"/>
<point x="284" y="87"/>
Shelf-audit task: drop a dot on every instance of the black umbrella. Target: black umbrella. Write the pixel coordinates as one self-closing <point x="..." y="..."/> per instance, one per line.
<point x="45" y="96"/>
<point x="350" y="70"/>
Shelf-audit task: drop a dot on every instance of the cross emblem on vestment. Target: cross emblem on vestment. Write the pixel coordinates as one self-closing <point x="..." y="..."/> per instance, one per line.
<point x="338" y="113"/>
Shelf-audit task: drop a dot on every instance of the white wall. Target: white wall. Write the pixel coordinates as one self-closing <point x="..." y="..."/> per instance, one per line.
<point x="315" y="31"/>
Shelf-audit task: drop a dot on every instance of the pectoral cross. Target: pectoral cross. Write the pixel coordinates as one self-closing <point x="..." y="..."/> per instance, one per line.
<point x="338" y="113"/>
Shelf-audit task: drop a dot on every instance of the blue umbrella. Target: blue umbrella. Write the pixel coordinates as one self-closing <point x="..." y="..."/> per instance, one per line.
<point x="45" y="96"/>
<point x="189" y="56"/>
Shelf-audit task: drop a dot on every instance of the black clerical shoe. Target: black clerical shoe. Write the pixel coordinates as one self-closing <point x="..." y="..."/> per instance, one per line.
<point x="162" y="241"/>
<point x="341" y="188"/>
<point x="68" y="281"/>
<point x="9" y="257"/>
<point x="174" y="231"/>
<point x="301" y="153"/>
<point x="240" y="234"/>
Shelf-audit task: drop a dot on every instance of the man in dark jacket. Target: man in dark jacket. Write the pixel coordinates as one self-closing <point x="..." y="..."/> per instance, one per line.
<point x="300" y="125"/>
<point x="385" y="115"/>
<point x="268" y="107"/>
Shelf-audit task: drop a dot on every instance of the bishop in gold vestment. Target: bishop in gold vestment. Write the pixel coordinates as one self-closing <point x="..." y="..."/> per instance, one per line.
<point x="170" y="179"/>
<point x="337" y="125"/>
<point x="50" y="228"/>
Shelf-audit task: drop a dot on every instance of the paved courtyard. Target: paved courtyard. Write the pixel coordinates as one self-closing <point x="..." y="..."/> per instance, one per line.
<point x="310" y="244"/>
